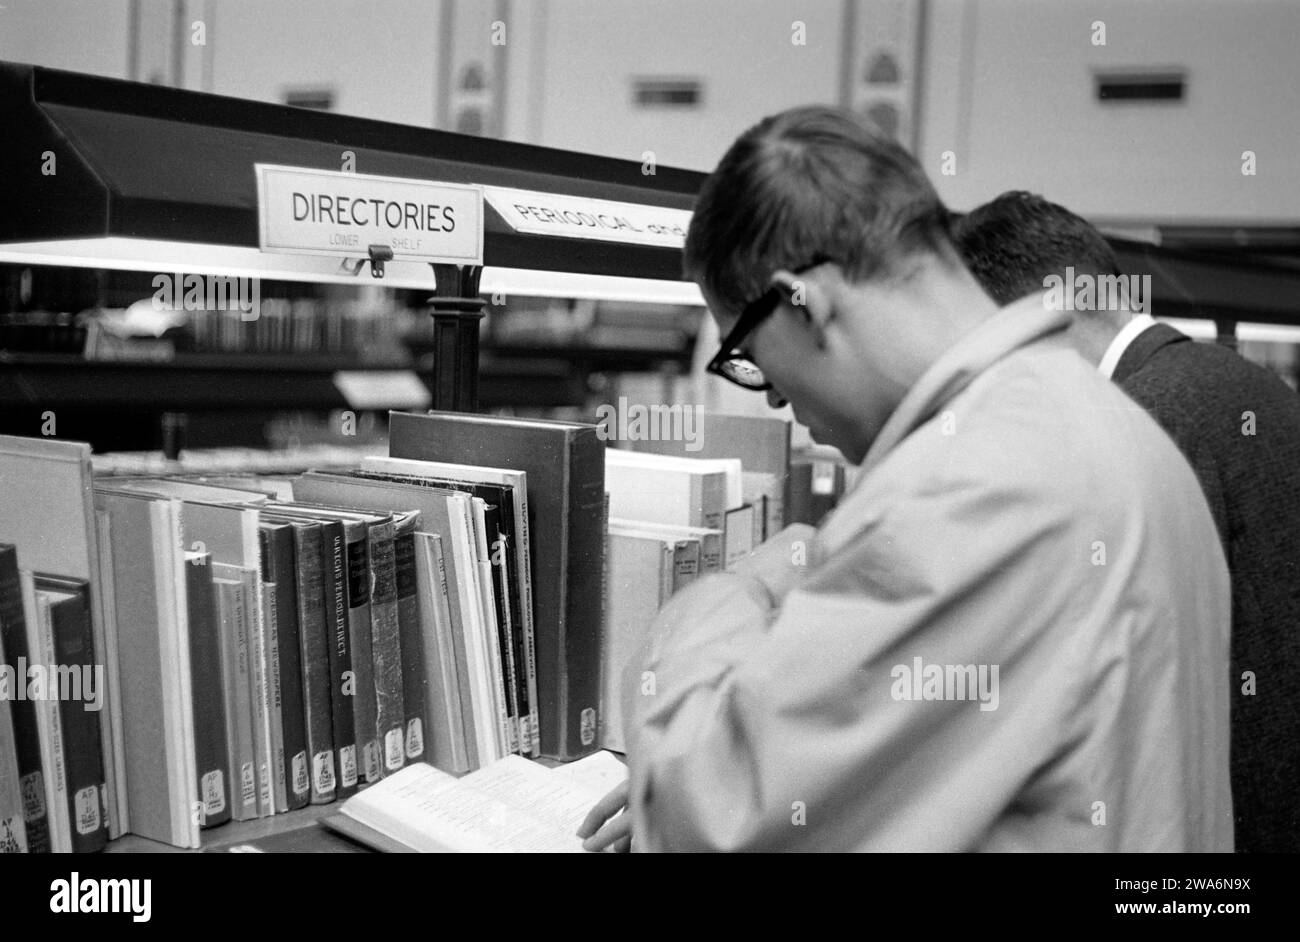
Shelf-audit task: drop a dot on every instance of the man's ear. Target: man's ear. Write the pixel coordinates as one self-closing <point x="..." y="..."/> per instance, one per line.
<point x="809" y="298"/>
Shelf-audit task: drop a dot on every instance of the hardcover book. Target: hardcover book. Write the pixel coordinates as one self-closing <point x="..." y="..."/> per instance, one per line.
<point x="67" y="603"/>
<point x="13" y="639"/>
<point x="565" y="464"/>
<point x="505" y="493"/>
<point x="280" y="581"/>
<point x="206" y="686"/>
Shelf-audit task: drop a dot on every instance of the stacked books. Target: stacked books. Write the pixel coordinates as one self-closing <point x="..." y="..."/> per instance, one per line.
<point x="681" y="509"/>
<point x="257" y="644"/>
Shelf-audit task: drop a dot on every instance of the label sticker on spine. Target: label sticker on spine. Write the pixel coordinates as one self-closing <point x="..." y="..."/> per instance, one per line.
<point x="587" y="729"/>
<point x="213" y="789"/>
<point x="323" y="771"/>
<point x="372" y="761"/>
<point x="247" y="784"/>
<point x="414" y="738"/>
<point x="86" y="803"/>
<point x="348" y="765"/>
<point x="393" y="749"/>
<point x="301" y="779"/>
<point x="33" y="788"/>
<point x="13" y="836"/>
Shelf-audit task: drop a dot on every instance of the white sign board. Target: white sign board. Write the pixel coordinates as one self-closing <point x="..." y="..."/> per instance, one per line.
<point x="382" y="389"/>
<point x="323" y="212"/>
<point x="576" y="217"/>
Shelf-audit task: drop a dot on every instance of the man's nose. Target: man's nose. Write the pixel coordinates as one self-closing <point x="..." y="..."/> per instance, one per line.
<point x="775" y="399"/>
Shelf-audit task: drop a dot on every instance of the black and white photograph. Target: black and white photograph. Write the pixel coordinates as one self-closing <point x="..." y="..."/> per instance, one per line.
<point x="652" y="426"/>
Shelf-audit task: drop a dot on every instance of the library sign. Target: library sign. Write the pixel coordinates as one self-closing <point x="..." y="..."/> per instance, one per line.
<point x="323" y="212"/>
<point x="577" y="217"/>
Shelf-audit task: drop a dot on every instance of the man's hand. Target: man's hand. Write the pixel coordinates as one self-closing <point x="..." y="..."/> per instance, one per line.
<point x="616" y="833"/>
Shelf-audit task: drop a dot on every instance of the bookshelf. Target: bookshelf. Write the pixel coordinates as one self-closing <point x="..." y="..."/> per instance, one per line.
<point x="162" y="180"/>
<point x="301" y="826"/>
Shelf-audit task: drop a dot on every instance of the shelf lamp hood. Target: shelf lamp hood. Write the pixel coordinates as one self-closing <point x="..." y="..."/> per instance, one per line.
<point x="115" y="174"/>
<point x="112" y="174"/>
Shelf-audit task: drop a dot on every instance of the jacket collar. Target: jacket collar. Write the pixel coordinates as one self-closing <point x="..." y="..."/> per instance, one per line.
<point x="1143" y="347"/>
<point x="1011" y="328"/>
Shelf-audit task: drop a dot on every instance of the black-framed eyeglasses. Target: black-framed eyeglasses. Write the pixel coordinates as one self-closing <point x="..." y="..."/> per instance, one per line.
<point x="731" y="362"/>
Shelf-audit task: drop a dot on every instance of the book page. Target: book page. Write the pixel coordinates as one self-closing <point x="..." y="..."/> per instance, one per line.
<point x="534" y="792"/>
<point x="597" y="774"/>
<point x="505" y="807"/>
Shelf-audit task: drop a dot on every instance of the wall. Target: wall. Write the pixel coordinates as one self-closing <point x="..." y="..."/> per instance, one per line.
<point x="1006" y="85"/>
<point x="1009" y="90"/>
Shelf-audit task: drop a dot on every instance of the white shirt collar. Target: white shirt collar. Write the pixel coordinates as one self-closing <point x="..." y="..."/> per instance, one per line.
<point x="1127" y="334"/>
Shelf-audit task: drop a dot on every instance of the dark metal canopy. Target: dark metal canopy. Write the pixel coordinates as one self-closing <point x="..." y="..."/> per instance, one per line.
<point x="149" y="162"/>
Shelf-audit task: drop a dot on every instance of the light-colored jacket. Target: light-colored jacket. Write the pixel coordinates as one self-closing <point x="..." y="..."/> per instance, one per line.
<point x="1012" y="634"/>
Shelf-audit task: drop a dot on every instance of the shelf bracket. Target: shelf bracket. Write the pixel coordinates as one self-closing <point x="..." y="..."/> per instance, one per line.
<point x="457" y="311"/>
<point x="1226" y="334"/>
<point x="379" y="254"/>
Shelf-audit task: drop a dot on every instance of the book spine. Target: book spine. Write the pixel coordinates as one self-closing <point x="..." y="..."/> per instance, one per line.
<point x="363" y="663"/>
<point x="584" y="542"/>
<point x="385" y="639"/>
<point x="711" y="497"/>
<point x="711" y="552"/>
<point x="275" y="697"/>
<point x="13" y="833"/>
<point x="523" y="550"/>
<point x="260" y="691"/>
<point x="412" y="640"/>
<point x="314" y="651"/>
<point x="279" y="569"/>
<point x="458" y="618"/>
<point x="111" y="716"/>
<point x="511" y="634"/>
<point x="83" y="751"/>
<point x="686" y="564"/>
<point x="340" y="658"/>
<point x="52" y="743"/>
<point x="489" y="652"/>
<point x="206" y="683"/>
<point x="13" y="636"/>
<point x="498" y="613"/>
<point x="239" y="713"/>
<point x="453" y="754"/>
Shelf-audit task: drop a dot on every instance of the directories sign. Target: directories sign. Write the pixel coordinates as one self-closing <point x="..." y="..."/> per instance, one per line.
<point x="576" y="217"/>
<point x="324" y="212"/>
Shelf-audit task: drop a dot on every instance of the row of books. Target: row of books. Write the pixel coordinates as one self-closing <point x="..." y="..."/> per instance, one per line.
<point x="267" y="643"/>
<point x="682" y="508"/>
<point x="265" y="640"/>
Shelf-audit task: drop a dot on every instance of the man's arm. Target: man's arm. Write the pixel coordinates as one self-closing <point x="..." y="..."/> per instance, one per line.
<point x="758" y="725"/>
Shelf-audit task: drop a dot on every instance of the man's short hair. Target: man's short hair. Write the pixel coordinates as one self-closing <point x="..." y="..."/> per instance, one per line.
<point x="813" y="181"/>
<point x="1012" y="244"/>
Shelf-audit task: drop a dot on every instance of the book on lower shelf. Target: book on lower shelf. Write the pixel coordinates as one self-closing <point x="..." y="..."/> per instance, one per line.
<point x="512" y="805"/>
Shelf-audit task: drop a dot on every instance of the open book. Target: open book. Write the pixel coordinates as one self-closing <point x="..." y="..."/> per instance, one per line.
<point x="513" y="805"/>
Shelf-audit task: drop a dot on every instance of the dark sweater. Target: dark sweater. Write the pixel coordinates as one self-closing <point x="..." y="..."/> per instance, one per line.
<point x="1239" y="426"/>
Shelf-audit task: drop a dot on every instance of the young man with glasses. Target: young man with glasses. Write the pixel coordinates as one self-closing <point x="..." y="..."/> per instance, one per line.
<point x="1012" y="632"/>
